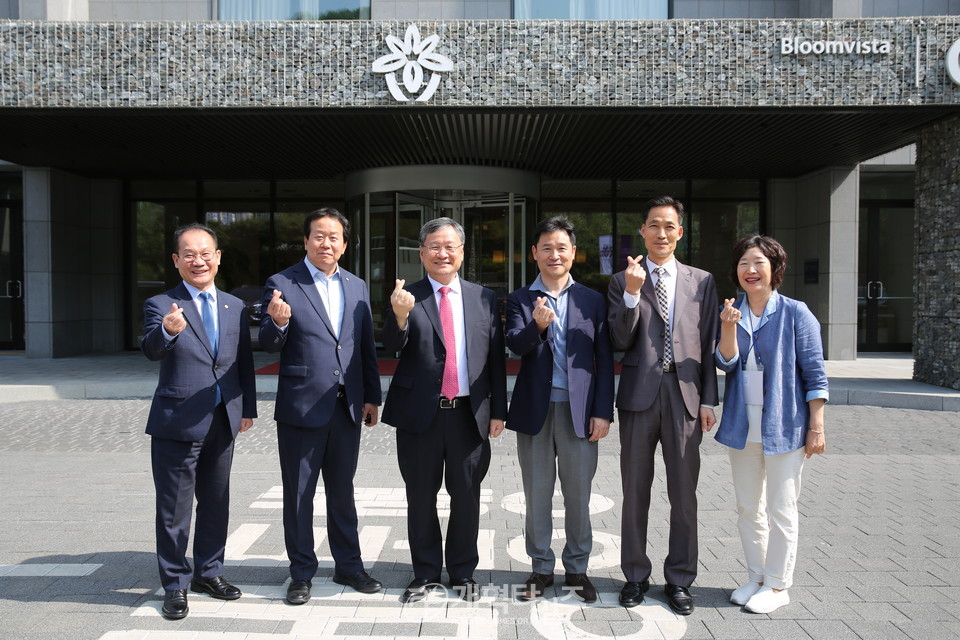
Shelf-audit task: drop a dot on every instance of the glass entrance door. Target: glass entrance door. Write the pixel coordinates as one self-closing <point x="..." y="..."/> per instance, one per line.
<point x="885" y="277"/>
<point x="493" y="225"/>
<point x="11" y="276"/>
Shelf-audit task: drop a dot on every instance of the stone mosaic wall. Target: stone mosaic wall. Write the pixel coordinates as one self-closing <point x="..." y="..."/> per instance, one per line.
<point x="937" y="244"/>
<point x="674" y="63"/>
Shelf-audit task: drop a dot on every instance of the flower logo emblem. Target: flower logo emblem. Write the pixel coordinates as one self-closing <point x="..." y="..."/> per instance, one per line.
<point x="413" y="55"/>
<point x="953" y="62"/>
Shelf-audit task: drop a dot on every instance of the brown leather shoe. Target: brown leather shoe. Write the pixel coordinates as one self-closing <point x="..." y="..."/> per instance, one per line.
<point x="535" y="586"/>
<point x="581" y="587"/>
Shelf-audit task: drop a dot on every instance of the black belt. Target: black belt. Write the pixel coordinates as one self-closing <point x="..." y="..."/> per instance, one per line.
<point x="670" y="368"/>
<point x="459" y="401"/>
<point x="341" y="391"/>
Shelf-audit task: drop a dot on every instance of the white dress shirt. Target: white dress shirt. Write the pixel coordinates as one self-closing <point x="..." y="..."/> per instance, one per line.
<point x="455" y="297"/>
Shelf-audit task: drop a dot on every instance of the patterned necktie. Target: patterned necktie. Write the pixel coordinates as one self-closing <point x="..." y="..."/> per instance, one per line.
<point x="208" y="320"/>
<point x="664" y="304"/>
<point x="450" y="386"/>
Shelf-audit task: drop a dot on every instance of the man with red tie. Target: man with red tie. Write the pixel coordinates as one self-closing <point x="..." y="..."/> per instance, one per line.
<point x="447" y="396"/>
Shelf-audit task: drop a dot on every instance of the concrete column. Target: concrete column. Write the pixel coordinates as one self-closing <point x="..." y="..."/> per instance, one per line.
<point x="815" y="217"/>
<point x="936" y="332"/>
<point x="72" y="263"/>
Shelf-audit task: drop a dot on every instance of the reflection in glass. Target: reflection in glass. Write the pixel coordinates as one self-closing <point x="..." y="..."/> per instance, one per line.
<point x="293" y="9"/>
<point x="592" y="10"/>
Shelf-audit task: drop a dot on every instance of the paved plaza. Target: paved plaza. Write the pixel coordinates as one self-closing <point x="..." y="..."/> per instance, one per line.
<point x="879" y="550"/>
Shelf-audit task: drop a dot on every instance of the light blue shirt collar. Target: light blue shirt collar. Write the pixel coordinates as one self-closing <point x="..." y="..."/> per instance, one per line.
<point x="195" y="293"/>
<point x="745" y="318"/>
<point x="538" y="285"/>
<point x="316" y="274"/>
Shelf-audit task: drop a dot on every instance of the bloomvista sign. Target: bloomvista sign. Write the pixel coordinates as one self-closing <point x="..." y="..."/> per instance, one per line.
<point x="799" y="46"/>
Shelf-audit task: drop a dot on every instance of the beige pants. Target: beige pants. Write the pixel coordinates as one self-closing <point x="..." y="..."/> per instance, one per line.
<point x="767" y="489"/>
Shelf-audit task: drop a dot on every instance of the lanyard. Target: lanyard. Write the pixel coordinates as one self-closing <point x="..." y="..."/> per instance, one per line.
<point x="753" y="340"/>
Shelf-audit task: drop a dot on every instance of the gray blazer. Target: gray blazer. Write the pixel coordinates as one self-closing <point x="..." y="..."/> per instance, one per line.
<point x="639" y="333"/>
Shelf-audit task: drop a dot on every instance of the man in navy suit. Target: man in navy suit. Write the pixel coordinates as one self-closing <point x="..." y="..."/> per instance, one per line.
<point x="562" y="404"/>
<point x="318" y="317"/>
<point x="205" y="396"/>
<point x="447" y="396"/>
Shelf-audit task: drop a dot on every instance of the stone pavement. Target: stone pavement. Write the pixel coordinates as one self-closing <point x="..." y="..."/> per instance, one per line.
<point x="879" y="550"/>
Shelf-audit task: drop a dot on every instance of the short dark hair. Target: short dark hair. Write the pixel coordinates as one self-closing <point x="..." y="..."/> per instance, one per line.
<point x="770" y="248"/>
<point x="327" y="212"/>
<point x="193" y="226"/>
<point x="663" y="201"/>
<point x="432" y="226"/>
<point x="554" y="223"/>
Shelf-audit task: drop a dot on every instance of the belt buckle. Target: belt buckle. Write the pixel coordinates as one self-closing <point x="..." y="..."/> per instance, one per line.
<point x="670" y="368"/>
<point x="446" y="403"/>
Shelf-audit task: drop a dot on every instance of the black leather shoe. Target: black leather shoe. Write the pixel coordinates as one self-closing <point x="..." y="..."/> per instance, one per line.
<point x="679" y="599"/>
<point x="216" y="587"/>
<point x="581" y="587"/>
<point x="632" y="593"/>
<point x="360" y="581"/>
<point x="175" y="605"/>
<point x="468" y="588"/>
<point x="299" y="591"/>
<point x="418" y="588"/>
<point x="536" y="584"/>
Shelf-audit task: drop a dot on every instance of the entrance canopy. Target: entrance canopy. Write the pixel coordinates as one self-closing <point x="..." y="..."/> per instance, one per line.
<point x="567" y="99"/>
<point x="559" y="143"/>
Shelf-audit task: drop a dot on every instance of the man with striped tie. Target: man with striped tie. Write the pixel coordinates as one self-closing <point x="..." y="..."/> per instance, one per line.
<point x="667" y="326"/>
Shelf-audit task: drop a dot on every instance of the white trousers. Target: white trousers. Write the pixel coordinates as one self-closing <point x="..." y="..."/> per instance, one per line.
<point x="767" y="489"/>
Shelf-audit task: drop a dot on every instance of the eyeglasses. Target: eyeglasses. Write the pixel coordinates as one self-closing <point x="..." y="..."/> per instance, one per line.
<point x="437" y="248"/>
<point x="207" y="256"/>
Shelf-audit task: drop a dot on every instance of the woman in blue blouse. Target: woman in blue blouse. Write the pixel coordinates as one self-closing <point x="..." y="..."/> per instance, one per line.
<point x="776" y="387"/>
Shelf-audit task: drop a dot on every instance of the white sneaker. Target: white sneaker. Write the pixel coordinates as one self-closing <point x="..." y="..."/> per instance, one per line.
<point x="766" y="600"/>
<point x="744" y="593"/>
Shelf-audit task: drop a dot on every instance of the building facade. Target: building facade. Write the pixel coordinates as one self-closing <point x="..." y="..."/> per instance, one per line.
<point x="815" y="122"/>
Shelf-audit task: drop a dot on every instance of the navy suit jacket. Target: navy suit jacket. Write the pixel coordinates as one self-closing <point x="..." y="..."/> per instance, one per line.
<point x="414" y="394"/>
<point x="589" y="360"/>
<point x="312" y="358"/>
<point x="183" y="403"/>
<point x="639" y="333"/>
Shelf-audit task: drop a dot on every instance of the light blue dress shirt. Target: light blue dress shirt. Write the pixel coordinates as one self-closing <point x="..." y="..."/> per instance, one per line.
<point x="558" y="330"/>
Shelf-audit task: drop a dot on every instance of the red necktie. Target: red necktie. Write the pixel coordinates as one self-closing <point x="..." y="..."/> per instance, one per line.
<point x="450" y="386"/>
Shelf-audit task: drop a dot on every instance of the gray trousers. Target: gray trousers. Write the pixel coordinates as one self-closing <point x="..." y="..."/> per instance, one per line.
<point x="679" y="435"/>
<point x="557" y="447"/>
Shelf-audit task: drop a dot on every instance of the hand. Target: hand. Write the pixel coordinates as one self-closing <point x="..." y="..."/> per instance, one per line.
<point x="816" y="442"/>
<point x="370" y="414"/>
<point x="707" y="418"/>
<point x="279" y="310"/>
<point x="729" y="315"/>
<point x="402" y="302"/>
<point x="496" y="427"/>
<point x="599" y="428"/>
<point x="542" y="314"/>
<point x="634" y="275"/>
<point x="245" y="424"/>
<point x="174" y="321"/>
